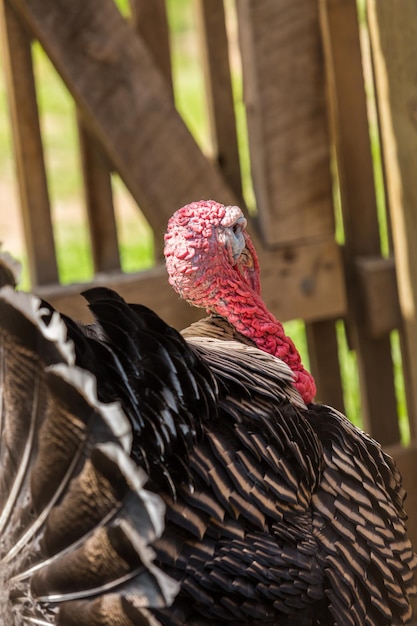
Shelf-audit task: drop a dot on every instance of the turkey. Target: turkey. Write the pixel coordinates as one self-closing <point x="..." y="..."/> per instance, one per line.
<point x="277" y="510"/>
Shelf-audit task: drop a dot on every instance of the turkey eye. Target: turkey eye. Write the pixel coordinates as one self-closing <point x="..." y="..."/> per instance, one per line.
<point x="236" y="228"/>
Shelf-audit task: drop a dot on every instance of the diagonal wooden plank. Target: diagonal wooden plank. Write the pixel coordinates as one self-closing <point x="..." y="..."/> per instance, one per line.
<point x="150" y="21"/>
<point x="126" y="101"/>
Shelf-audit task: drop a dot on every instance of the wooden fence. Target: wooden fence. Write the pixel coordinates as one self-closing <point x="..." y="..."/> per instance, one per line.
<point x="308" y="130"/>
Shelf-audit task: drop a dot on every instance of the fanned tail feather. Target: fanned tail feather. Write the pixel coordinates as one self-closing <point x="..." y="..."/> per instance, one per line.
<point x="76" y="523"/>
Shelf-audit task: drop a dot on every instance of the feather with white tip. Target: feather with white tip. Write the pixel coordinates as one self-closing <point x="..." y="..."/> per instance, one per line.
<point x="76" y="523"/>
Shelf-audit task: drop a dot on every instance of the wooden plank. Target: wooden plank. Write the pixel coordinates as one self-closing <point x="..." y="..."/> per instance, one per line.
<point x="394" y="47"/>
<point x="377" y="282"/>
<point x="214" y="43"/>
<point x="126" y="102"/>
<point x="348" y="101"/>
<point x="324" y="363"/>
<point x="304" y="281"/>
<point x="377" y="384"/>
<point x="99" y="202"/>
<point x="150" y="22"/>
<point x="149" y="19"/>
<point x="150" y="288"/>
<point x="283" y="75"/>
<point x="350" y="126"/>
<point x="28" y="148"/>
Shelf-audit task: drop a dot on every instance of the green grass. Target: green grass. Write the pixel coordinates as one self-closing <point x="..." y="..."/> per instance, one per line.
<point x="59" y="128"/>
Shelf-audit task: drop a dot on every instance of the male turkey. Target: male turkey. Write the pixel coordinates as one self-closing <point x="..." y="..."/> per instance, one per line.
<point x="278" y="510"/>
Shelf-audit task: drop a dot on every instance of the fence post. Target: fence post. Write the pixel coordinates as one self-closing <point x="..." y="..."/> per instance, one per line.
<point x="354" y="161"/>
<point x="28" y="148"/>
<point x="393" y="32"/>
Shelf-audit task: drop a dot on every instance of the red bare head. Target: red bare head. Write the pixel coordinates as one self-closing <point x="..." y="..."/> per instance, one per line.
<point x="206" y="249"/>
<point x="212" y="263"/>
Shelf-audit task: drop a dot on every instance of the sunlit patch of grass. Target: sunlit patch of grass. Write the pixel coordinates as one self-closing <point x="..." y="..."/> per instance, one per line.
<point x="400" y="388"/>
<point x="189" y="89"/>
<point x="296" y="330"/>
<point x="73" y="254"/>
<point x="350" y="377"/>
<point x="348" y="365"/>
<point x="135" y="236"/>
<point x="59" y="129"/>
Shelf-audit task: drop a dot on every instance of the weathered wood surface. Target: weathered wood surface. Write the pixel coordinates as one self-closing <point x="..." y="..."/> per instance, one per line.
<point x="377" y="284"/>
<point x="150" y="22"/>
<point x="313" y="275"/>
<point x="214" y="44"/>
<point x="28" y="147"/>
<point x="284" y="94"/>
<point x="350" y="124"/>
<point x="394" y="47"/>
<point x="127" y="103"/>
<point x="354" y="161"/>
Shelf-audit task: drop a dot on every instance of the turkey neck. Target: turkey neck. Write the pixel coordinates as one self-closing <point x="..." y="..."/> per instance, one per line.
<point x="246" y="311"/>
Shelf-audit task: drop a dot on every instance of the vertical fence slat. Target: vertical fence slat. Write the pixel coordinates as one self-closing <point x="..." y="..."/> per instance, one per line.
<point x="28" y="149"/>
<point x="214" y="42"/>
<point x="283" y="73"/>
<point x="394" y="47"/>
<point x="353" y="153"/>
<point x="150" y="21"/>
<point x="99" y="202"/>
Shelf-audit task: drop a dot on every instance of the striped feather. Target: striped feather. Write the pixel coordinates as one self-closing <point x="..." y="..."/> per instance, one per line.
<point x="275" y="512"/>
<point x="72" y="502"/>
